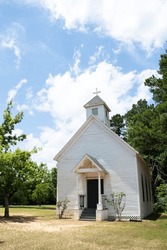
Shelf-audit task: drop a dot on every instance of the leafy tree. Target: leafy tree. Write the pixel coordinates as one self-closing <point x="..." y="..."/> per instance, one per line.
<point x="39" y="189"/>
<point x="7" y="138"/>
<point x="54" y="182"/>
<point x="144" y="135"/>
<point x="147" y="129"/>
<point x="45" y="189"/>
<point x="158" y="87"/>
<point x="117" y="124"/>
<point x="16" y="168"/>
<point x="140" y="121"/>
<point x="10" y="162"/>
<point x="20" y="197"/>
<point x="40" y="193"/>
<point x="161" y="203"/>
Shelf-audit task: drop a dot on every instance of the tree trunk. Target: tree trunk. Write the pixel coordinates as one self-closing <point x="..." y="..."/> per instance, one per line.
<point x="6" y="214"/>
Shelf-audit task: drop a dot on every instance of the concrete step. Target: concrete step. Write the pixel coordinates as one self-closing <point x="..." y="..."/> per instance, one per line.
<point x="88" y="214"/>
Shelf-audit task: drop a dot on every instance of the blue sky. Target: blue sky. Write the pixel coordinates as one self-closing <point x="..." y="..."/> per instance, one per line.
<point x="55" y="53"/>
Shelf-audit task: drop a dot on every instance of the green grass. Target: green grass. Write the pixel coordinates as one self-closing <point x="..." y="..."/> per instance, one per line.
<point x="44" y="211"/>
<point x="37" y="228"/>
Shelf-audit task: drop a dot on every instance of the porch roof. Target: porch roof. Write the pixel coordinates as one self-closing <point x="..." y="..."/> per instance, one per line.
<point x="89" y="164"/>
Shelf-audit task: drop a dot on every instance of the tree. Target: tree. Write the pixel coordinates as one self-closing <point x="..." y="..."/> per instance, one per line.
<point x="117" y="124"/>
<point x="54" y="182"/>
<point x="7" y="138"/>
<point x="158" y="87"/>
<point x="8" y="159"/>
<point x="16" y="169"/>
<point x="45" y="189"/>
<point x="161" y="203"/>
<point x="144" y="135"/>
<point x="146" y="126"/>
<point x="140" y="122"/>
<point x="41" y="193"/>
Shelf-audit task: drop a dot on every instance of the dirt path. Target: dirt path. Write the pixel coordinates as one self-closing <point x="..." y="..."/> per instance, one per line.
<point x="48" y="226"/>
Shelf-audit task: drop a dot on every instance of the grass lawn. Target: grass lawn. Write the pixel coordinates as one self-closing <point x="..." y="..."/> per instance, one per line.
<point x="38" y="228"/>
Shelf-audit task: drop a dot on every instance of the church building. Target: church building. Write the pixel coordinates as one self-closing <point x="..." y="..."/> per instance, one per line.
<point x="97" y="162"/>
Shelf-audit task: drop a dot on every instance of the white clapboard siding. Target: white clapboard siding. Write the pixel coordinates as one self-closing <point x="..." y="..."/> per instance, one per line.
<point x="117" y="157"/>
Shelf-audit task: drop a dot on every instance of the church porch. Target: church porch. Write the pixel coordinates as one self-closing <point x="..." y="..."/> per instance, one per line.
<point x="90" y="177"/>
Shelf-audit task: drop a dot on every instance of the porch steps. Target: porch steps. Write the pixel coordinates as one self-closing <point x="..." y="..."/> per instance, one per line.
<point x="88" y="214"/>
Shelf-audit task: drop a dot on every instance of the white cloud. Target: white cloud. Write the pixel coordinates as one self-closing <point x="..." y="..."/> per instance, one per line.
<point x="13" y="92"/>
<point x="75" y="69"/>
<point x="127" y="21"/>
<point x="63" y="96"/>
<point x="29" y="94"/>
<point x="49" y="141"/>
<point x="9" y="39"/>
<point x="96" y="56"/>
<point x="25" y="107"/>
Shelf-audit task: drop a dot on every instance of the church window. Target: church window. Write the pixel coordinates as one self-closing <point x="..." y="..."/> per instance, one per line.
<point x="95" y="111"/>
<point x="150" y="190"/>
<point x="146" y="189"/>
<point x="107" y="114"/>
<point x="142" y="182"/>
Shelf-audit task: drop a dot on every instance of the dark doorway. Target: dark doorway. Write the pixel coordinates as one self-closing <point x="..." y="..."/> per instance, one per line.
<point x="92" y="192"/>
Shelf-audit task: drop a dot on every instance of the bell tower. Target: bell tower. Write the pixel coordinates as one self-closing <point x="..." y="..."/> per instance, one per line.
<point x="97" y="107"/>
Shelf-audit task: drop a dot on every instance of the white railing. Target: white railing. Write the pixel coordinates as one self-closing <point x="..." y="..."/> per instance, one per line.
<point x="81" y="201"/>
<point x="104" y="197"/>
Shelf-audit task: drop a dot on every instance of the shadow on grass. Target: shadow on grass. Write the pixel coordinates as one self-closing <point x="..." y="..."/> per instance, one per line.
<point x="156" y="216"/>
<point x="65" y="218"/>
<point x="34" y="207"/>
<point x="18" y="219"/>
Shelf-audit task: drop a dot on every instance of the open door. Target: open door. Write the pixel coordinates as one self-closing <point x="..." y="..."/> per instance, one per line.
<point x="92" y="192"/>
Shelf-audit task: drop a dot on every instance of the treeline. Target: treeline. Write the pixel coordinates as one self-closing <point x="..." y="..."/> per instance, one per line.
<point x="144" y="127"/>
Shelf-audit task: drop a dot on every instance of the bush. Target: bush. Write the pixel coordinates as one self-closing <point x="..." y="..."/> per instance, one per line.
<point x="118" y="202"/>
<point x="61" y="206"/>
<point x="161" y="194"/>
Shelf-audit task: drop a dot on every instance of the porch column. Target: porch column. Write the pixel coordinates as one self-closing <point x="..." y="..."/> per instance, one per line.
<point x="77" y="189"/>
<point x="99" y="205"/>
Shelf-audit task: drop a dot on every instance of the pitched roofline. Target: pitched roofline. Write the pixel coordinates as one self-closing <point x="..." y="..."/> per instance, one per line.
<point x="94" y="161"/>
<point x="73" y="138"/>
<point x="141" y="159"/>
<point x="118" y="138"/>
<point x="83" y="128"/>
<point x="100" y="102"/>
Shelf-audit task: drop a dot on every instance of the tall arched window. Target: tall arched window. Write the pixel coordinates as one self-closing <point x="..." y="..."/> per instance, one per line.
<point x="142" y="183"/>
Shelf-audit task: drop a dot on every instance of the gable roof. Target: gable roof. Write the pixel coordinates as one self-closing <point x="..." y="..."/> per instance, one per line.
<point x="95" y="101"/>
<point x="97" y="167"/>
<point x="81" y="130"/>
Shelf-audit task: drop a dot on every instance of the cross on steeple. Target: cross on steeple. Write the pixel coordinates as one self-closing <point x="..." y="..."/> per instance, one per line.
<point x="96" y="92"/>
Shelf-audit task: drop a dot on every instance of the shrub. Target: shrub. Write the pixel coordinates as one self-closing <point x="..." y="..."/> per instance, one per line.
<point x="62" y="206"/>
<point x="118" y="202"/>
<point x="161" y="194"/>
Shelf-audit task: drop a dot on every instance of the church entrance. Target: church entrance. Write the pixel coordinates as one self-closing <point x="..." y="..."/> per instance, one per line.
<point x="92" y="192"/>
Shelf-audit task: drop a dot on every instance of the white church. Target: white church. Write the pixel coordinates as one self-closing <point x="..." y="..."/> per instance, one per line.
<point x="97" y="162"/>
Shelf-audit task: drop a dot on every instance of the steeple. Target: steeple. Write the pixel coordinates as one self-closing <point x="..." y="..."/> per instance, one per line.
<point x="96" y="106"/>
